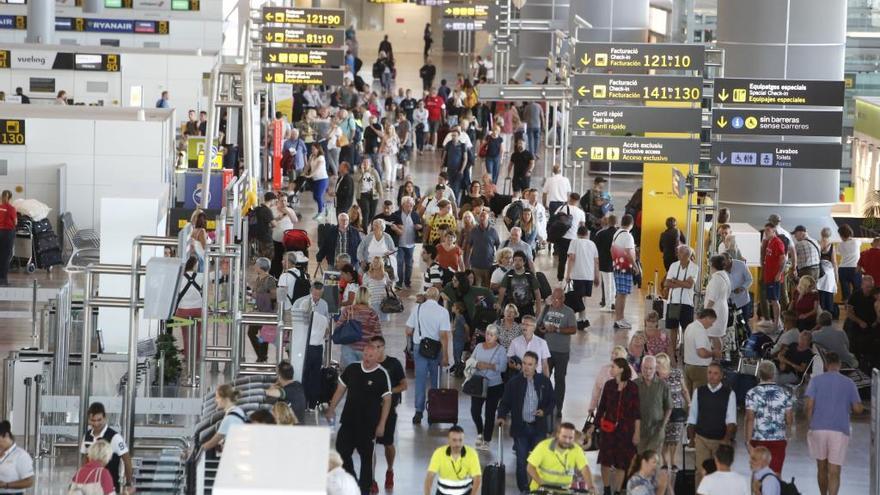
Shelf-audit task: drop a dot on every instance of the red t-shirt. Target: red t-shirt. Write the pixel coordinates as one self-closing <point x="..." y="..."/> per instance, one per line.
<point x="448" y="259"/>
<point x="87" y="474"/>
<point x="774" y="257"/>
<point x="435" y="106"/>
<point x="8" y="218"/>
<point x="869" y="261"/>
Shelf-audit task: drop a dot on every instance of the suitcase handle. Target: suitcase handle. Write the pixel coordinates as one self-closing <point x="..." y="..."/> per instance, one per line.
<point x="501" y="443"/>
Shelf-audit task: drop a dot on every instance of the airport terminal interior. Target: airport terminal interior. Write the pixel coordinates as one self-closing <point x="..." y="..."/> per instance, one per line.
<point x="440" y="246"/>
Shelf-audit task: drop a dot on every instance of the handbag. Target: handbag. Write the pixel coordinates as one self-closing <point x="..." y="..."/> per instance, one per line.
<point x="593" y="439"/>
<point x="342" y="141"/>
<point x="348" y="332"/>
<point x="608" y="426"/>
<point x="391" y="303"/>
<point x="673" y="310"/>
<point x="678" y="415"/>
<point x="91" y="486"/>
<point x="478" y="385"/>
<point x="484" y="149"/>
<point x="428" y="348"/>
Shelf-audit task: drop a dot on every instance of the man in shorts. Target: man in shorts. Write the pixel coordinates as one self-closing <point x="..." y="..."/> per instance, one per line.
<point x="398" y="385"/>
<point x="772" y="268"/>
<point x="623" y="253"/>
<point x="436" y="107"/>
<point x="831" y="398"/>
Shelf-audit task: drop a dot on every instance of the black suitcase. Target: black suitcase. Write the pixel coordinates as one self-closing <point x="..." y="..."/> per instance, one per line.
<point x="494" y="475"/>
<point x="443" y="403"/>
<point x="41" y="226"/>
<point x="48" y="258"/>
<point x="46" y="242"/>
<point x="329" y="381"/>
<point x="543" y="285"/>
<point x="656" y="302"/>
<point x="685" y="479"/>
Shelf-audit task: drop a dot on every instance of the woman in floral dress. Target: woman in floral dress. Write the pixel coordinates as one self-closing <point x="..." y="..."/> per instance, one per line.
<point x="681" y="401"/>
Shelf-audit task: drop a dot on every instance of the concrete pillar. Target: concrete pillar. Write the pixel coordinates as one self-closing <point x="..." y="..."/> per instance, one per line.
<point x="782" y="39"/>
<point x="612" y="20"/>
<point x="40" y="22"/>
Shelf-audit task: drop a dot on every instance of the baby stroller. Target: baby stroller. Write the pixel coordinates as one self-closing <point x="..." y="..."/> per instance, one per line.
<point x="297" y="240"/>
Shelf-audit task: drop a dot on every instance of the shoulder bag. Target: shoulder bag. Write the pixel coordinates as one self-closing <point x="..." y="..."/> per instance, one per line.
<point x="593" y="439"/>
<point x="673" y="310"/>
<point x="91" y="485"/>
<point x="348" y="332"/>
<point x="428" y="347"/>
<point x="478" y="385"/>
<point x="605" y="424"/>
<point x="391" y="303"/>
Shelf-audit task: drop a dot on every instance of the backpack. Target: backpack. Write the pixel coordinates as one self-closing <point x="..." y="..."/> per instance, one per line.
<point x="482" y="71"/>
<point x="301" y="285"/>
<point x="190" y="282"/>
<point x="446" y="275"/>
<point x="378" y="69"/>
<point x="514" y="212"/>
<point x="559" y="225"/>
<point x="785" y="488"/>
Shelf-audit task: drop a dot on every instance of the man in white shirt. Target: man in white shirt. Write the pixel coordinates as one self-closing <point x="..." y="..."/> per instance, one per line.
<point x="581" y="270"/>
<point x="679" y="284"/>
<point x="557" y="187"/>
<point x="711" y="422"/>
<point x="528" y="341"/>
<point x="698" y="352"/>
<point x="428" y="321"/>
<point x="310" y="308"/>
<point x="623" y="252"/>
<point x="724" y="481"/>
<point x="578" y="218"/>
<point x="538" y="211"/>
<point x="762" y="475"/>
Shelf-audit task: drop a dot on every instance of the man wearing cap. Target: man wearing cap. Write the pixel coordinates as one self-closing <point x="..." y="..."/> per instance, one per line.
<point x="808" y="254"/>
<point x="311" y="308"/>
<point x="790" y="253"/>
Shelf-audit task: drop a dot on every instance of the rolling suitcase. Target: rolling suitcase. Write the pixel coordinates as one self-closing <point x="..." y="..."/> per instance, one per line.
<point x="443" y="403"/>
<point x="494" y="474"/>
<point x="685" y="479"/>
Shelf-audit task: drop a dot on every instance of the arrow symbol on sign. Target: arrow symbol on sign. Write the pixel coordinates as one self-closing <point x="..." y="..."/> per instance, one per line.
<point x="580" y="152"/>
<point x="582" y="122"/>
<point x="269" y="16"/>
<point x="722" y="122"/>
<point x="273" y="57"/>
<point x="268" y="77"/>
<point x="268" y="36"/>
<point x="722" y="158"/>
<point x="723" y="95"/>
<point x="583" y="90"/>
<point x="586" y="59"/>
<point x="448" y="10"/>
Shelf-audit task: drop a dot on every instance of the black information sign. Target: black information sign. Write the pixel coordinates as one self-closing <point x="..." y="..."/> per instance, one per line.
<point x="636" y="120"/>
<point x="308" y="17"/>
<point x="750" y="92"/>
<point x="331" y="38"/>
<point x="463" y="24"/>
<point x="309" y="57"/>
<point x="12" y="132"/>
<point x="639" y="57"/>
<point x="282" y="75"/>
<point x="466" y="11"/>
<point x="777" y="122"/>
<point x="757" y="154"/>
<point x="108" y="62"/>
<point x="638" y="87"/>
<point x="635" y="149"/>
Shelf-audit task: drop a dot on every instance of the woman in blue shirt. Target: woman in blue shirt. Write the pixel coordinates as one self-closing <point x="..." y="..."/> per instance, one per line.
<point x="226" y="398"/>
<point x="491" y="361"/>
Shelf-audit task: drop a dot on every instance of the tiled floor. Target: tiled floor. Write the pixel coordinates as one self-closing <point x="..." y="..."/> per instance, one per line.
<point x="590" y="350"/>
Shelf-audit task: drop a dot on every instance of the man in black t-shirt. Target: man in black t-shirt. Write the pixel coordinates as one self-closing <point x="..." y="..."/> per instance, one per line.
<point x="364" y="415"/>
<point x="861" y="318"/>
<point x="522" y="162"/>
<point x="262" y="229"/>
<point x="603" y="239"/>
<point x="288" y="390"/>
<point x="398" y="384"/>
<point x="408" y="105"/>
<point x="520" y="287"/>
<point x="99" y="429"/>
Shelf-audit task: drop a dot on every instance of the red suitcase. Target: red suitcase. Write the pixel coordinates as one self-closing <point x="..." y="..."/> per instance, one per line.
<point x="443" y="403"/>
<point x="296" y="240"/>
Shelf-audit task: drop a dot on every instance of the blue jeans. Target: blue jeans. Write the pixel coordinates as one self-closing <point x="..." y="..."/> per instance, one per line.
<point x="850" y="281"/>
<point x="349" y="355"/>
<point x="426" y="369"/>
<point x="523" y="443"/>
<point x="493" y="167"/>
<point x="375" y="161"/>
<point x="405" y="264"/>
<point x="826" y="302"/>
<point x="458" y="343"/>
<point x="319" y="187"/>
<point x="747" y="312"/>
<point x="534" y="140"/>
<point x="455" y="184"/>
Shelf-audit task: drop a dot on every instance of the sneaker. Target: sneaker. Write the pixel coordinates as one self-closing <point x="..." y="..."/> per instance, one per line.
<point x="623" y="324"/>
<point x="374" y="488"/>
<point x="417" y="419"/>
<point x="389" y="479"/>
<point x="583" y="325"/>
<point x="398" y="287"/>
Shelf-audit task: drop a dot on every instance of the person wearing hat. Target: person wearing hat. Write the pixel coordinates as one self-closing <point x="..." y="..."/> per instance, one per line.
<point x="310" y="308"/>
<point x="808" y="254"/>
<point x="790" y="255"/>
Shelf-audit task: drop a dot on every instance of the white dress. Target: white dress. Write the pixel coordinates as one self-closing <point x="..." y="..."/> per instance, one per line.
<point x="718" y="290"/>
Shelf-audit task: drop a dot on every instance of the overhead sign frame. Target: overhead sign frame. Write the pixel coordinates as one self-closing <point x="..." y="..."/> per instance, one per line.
<point x="307" y="57"/>
<point x="304" y="16"/>
<point x="760" y="121"/>
<point x="635" y="149"/>
<point x="636" y="120"/>
<point x="639" y="57"/>
<point x="760" y="92"/>
<point x="326" y="37"/>
<point x="777" y="155"/>
<point x="12" y="132"/>
<point x="302" y="75"/>
<point x="637" y="87"/>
